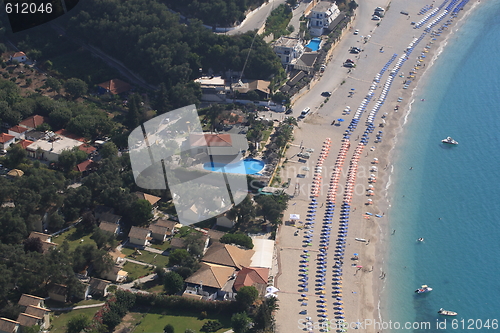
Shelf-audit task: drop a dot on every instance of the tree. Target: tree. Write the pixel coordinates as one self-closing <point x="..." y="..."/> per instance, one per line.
<point x="77" y="324"/>
<point x="211" y="326"/>
<point x="140" y="212"/>
<point x="239" y="239"/>
<point x="239" y="322"/>
<point x="168" y="329"/>
<point x="88" y="223"/>
<point x="56" y="221"/>
<point x="133" y="118"/>
<point x="53" y="83"/>
<point x="15" y="156"/>
<point x="111" y="319"/>
<point x="102" y="238"/>
<point x="33" y="244"/>
<point x="173" y="283"/>
<point x="75" y="87"/>
<point x="247" y="295"/>
<point x="178" y="257"/>
<point x="108" y="149"/>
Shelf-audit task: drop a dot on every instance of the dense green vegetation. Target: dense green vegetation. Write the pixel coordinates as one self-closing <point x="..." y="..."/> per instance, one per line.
<point x="166" y="51"/>
<point x="215" y="12"/>
<point x="277" y="22"/>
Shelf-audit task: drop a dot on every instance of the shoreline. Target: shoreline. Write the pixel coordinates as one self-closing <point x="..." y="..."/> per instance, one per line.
<point x="364" y="302"/>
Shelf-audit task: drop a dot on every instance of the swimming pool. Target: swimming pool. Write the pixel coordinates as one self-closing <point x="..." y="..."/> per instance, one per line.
<point x="249" y="166"/>
<point x="314" y="44"/>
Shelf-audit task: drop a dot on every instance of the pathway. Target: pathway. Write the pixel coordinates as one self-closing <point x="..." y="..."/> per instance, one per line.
<point x="77" y="307"/>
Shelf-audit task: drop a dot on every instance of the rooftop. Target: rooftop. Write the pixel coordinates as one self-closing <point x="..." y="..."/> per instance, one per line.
<point x="43" y="237"/>
<point x="285" y="41"/>
<point x="115" y="86"/>
<point x="56" y="145"/>
<point x="322" y="6"/>
<point x="7" y="325"/>
<point x="211" y="275"/>
<point x="139" y="233"/>
<point x="26" y="300"/>
<point x="109" y="227"/>
<point x="250" y="276"/>
<point x="210" y="140"/>
<point x="228" y="255"/>
<point x="144" y="196"/>
<point x="34" y="121"/>
<point x="28" y="320"/>
<point x="4" y="137"/>
<point x="18" y="129"/>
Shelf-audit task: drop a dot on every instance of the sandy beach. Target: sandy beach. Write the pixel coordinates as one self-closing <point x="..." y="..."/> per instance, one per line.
<point x="363" y="278"/>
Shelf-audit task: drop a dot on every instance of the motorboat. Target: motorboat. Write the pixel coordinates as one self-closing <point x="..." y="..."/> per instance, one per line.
<point x="424" y="289"/>
<point x="446" y="312"/>
<point x="449" y="140"/>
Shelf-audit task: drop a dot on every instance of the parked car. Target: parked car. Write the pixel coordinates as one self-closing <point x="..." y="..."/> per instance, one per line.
<point x="348" y="64"/>
<point x="356" y="31"/>
<point x="326" y="94"/>
<point x="288" y="111"/>
<point x="375" y="18"/>
<point x="349" y="60"/>
<point x="404" y="12"/>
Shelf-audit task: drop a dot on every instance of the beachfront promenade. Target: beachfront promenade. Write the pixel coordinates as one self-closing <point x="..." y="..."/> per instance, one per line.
<point x="331" y="270"/>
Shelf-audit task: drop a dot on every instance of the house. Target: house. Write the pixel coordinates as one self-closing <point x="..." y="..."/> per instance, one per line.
<point x="68" y="134"/>
<point x="252" y="276"/>
<point x="50" y="148"/>
<point x="224" y="221"/>
<point x="46" y="246"/>
<point x="177" y="243"/>
<point x="169" y="224"/>
<point x="288" y="49"/>
<point x="58" y="292"/>
<point x="110" y="227"/>
<point x="99" y="210"/>
<point x="115" y="274"/>
<point x="215" y="235"/>
<point x="98" y="288"/>
<point x="18" y="56"/>
<point x="211" y="275"/>
<point x="39" y="313"/>
<point x="18" y="131"/>
<point x="43" y="237"/>
<point x="34" y="135"/>
<point x="261" y="87"/>
<point x="217" y="144"/>
<point x="158" y="233"/>
<point x="213" y="88"/>
<point x="110" y="217"/>
<point x="113" y="86"/>
<point x="88" y="149"/>
<point x="6" y="140"/>
<point x="8" y="325"/>
<point x="86" y="166"/>
<point x="321" y="16"/>
<point x="228" y="255"/>
<point x="24" y="143"/>
<point x="139" y="236"/>
<point x="27" y="320"/>
<point x="33" y="122"/>
<point x="27" y="300"/>
<point x="152" y="199"/>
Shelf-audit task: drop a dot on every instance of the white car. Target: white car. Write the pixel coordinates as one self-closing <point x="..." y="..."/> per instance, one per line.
<point x="356" y="31"/>
<point x="375" y="18"/>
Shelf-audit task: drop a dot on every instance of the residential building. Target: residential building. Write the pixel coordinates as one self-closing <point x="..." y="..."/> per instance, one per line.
<point x="110" y="227"/>
<point x="34" y="135"/>
<point x="18" y="131"/>
<point x="321" y="16"/>
<point x="6" y="140"/>
<point x="228" y="255"/>
<point x="217" y="144"/>
<point x="288" y="49"/>
<point x="224" y="221"/>
<point x="27" y="300"/>
<point x="86" y="166"/>
<point x="58" y="292"/>
<point x="252" y="276"/>
<point x="215" y="235"/>
<point x="33" y="122"/>
<point x="19" y="56"/>
<point x="158" y="233"/>
<point x="110" y="217"/>
<point x="50" y="149"/>
<point x="139" y="236"/>
<point x="98" y="288"/>
<point x="153" y="200"/>
<point x="169" y="224"/>
<point x="211" y="276"/>
<point x="8" y="325"/>
<point x="27" y="320"/>
<point x="46" y="240"/>
<point x="261" y="87"/>
<point x="113" y="86"/>
<point x="177" y="243"/>
<point x="99" y="210"/>
<point x="24" y="143"/>
<point x="115" y="274"/>
<point x="213" y="88"/>
<point x="39" y="313"/>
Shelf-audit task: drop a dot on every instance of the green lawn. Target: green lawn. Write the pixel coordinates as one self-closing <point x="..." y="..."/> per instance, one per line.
<point x="135" y="271"/>
<point x="74" y="238"/>
<point x="58" y="322"/>
<point x="154" y="322"/>
<point x="147" y="257"/>
<point x="163" y="247"/>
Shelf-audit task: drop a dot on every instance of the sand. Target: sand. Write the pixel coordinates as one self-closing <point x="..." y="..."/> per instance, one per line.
<point x="361" y="286"/>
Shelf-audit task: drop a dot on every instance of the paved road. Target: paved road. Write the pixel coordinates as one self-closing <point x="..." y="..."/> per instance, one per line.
<point x="257" y="18"/>
<point x="128" y="74"/>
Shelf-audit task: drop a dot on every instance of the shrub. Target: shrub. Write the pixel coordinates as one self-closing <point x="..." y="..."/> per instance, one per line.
<point x="211" y="326"/>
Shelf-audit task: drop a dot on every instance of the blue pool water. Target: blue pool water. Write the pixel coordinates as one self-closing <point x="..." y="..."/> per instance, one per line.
<point x="314" y="44"/>
<point x="249" y="166"/>
<point x="450" y="196"/>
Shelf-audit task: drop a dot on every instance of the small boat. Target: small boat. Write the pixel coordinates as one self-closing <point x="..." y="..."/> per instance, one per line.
<point x="424" y="289"/>
<point x="446" y="312"/>
<point x="450" y="141"/>
<point x="420" y="239"/>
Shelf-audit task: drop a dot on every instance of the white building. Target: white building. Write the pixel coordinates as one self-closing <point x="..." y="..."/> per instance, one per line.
<point x="321" y="16"/>
<point x="50" y="149"/>
<point x="288" y="49"/>
<point x="19" y="56"/>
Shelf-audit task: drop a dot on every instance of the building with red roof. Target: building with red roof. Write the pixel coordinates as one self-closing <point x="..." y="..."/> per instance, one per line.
<point x="6" y="140"/>
<point x="18" y="131"/>
<point x="114" y="86"/>
<point x="252" y="276"/>
<point x="33" y="122"/>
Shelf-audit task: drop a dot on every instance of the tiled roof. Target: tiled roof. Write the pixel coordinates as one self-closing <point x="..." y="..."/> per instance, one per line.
<point x="87" y="148"/>
<point x="107" y="226"/>
<point x="25" y="319"/>
<point x="43" y="237"/>
<point x="156" y="229"/>
<point x="98" y="284"/>
<point x="18" y="129"/>
<point x="4" y="137"/>
<point x="148" y="197"/>
<point x="178" y="242"/>
<point x="211" y="275"/>
<point x="169" y="224"/>
<point x="70" y="135"/>
<point x="7" y="325"/>
<point x="140" y="233"/>
<point x="19" y="54"/>
<point x="36" y="311"/>
<point x="84" y="166"/>
<point x="26" y="300"/>
<point x="250" y="276"/>
<point x="109" y="217"/>
<point x="210" y="140"/>
<point x="228" y="255"/>
<point x="34" y="121"/>
<point x="25" y="143"/>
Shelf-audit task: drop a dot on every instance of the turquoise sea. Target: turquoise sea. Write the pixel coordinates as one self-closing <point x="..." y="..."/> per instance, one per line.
<point x="451" y="196"/>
